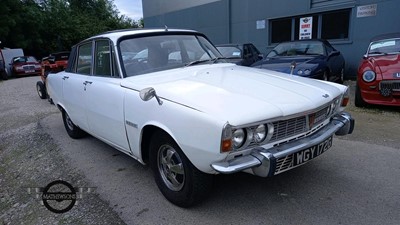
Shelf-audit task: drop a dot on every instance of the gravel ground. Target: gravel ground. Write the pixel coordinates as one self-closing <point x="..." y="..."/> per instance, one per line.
<point x="29" y="158"/>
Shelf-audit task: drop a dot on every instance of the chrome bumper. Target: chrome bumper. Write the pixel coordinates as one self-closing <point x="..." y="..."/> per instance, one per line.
<point x="263" y="162"/>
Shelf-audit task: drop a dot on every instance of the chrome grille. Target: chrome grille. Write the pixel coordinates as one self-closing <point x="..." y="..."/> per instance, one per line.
<point x="29" y="67"/>
<point x="393" y="85"/>
<point x="288" y="128"/>
<point x="283" y="164"/>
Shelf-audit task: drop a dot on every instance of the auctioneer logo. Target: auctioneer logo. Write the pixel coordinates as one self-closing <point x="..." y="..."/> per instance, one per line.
<point x="60" y="196"/>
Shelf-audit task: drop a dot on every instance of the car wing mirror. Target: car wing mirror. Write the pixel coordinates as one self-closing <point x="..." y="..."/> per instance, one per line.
<point x="148" y="93"/>
<point x="334" y="53"/>
<point x="260" y="56"/>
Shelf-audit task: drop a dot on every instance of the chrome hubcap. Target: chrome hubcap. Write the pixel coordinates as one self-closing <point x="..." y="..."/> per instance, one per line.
<point x="170" y="167"/>
<point x="69" y="122"/>
<point x="38" y="91"/>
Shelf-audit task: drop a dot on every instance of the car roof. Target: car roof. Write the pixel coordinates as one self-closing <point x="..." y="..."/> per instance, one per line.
<point x="116" y="34"/>
<point x="386" y="36"/>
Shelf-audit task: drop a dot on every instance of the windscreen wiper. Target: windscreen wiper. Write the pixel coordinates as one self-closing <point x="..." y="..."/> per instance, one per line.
<point x="196" y="62"/>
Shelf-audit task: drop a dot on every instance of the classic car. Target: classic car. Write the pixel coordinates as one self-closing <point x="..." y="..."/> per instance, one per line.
<point x="25" y="65"/>
<point x="378" y="76"/>
<point x="315" y="58"/>
<point x="53" y="63"/>
<point x="192" y="118"/>
<point x="240" y="54"/>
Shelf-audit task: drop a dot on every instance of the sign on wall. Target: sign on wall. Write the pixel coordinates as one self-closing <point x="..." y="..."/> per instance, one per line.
<point x="305" y="28"/>
<point x="366" y="10"/>
<point x="260" y="24"/>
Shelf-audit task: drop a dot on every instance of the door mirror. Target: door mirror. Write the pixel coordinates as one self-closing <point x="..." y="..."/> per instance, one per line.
<point x="334" y="53"/>
<point x="148" y="93"/>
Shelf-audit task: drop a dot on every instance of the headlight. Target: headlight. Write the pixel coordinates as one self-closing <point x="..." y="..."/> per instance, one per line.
<point x="260" y="133"/>
<point x="304" y="71"/>
<point x="369" y="76"/>
<point x="238" y="138"/>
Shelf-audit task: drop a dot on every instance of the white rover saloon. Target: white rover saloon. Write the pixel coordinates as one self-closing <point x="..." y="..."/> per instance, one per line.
<point x="167" y="98"/>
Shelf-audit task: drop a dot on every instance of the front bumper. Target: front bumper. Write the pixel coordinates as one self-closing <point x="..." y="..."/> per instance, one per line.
<point x="269" y="162"/>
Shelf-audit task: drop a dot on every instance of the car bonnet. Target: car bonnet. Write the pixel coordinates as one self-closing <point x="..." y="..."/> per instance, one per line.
<point x="237" y="94"/>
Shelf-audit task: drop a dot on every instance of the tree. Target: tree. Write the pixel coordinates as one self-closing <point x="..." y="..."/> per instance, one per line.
<point x="44" y="26"/>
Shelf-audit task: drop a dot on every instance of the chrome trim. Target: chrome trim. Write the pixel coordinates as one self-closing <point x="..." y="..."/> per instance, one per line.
<point x="262" y="161"/>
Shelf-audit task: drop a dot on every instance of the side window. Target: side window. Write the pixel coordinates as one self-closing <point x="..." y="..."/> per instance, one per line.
<point x="102" y="59"/>
<point x="84" y="65"/>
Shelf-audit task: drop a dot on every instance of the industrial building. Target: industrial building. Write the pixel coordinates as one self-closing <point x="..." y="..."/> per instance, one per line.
<point x="347" y="24"/>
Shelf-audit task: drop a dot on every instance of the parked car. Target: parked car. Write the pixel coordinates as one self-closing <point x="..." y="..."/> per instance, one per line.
<point x="25" y="65"/>
<point x="378" y="76"/>
<point x="3" y="72"/>
<point x="240" y="54"/>
<point x="307" y="58"/>
<point x="53" y="63"/>
<point x="194" y="118"/>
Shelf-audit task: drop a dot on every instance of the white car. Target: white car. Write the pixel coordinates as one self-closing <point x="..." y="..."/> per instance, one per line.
<point x="193" y="118"/>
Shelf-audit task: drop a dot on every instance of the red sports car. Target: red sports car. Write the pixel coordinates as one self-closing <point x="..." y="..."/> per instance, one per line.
<point x="378" y="76"/>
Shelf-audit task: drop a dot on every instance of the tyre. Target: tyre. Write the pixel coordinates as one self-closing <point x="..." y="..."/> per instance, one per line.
<point x="325" y="76"/>
<point x="72" y="130"/>
<point x="177" y="178"/>
<point x="359" y="101"/>
<point x="4" y="75"/>
<point x="41" y="90"/>
<point x="341" y="76"/>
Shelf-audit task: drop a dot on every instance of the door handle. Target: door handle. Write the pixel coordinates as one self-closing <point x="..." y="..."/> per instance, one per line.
<point x="87" y="82"/>
<point x="65" y="77"/>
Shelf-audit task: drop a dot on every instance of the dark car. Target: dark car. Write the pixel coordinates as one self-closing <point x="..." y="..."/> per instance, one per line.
<point x="53" y="63"/>
<point x="307" y="58"/>
<point x="378" y="76"/>
<point x="25" y="65"/>
<point x="240" y="54"/>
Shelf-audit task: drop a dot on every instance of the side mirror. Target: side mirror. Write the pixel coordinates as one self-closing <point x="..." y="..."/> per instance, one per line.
<point x="148" y="93"/>
<point x="334" y="53"/>
<point x="260" y="56"/>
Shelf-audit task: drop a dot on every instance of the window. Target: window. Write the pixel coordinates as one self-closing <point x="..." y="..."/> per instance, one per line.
<point x="335" y="25"/>
<point x="281" y="30"/>
<point x="326" y="25"/>
<point x="84" y="65"/>
<point x="103" y="58"/>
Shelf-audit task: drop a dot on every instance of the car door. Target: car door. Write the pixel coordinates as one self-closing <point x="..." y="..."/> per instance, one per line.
<point x="104" y="98"/>
<point x="334" y="60"/>
<point x="74" y="88"/>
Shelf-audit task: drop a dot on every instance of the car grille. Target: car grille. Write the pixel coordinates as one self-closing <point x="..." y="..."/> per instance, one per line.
<point x="288" y="128"/>
<point x="393" y="85"/>
<point x="29" y="67"/>
<point x="292" y="127"/>
<point x="283" y="164"/>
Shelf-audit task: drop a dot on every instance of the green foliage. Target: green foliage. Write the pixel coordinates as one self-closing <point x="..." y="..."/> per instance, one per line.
<point x="44" y="26"/>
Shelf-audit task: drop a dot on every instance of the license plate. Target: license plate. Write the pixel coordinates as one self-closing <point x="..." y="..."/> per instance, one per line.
<point x="29" y="71"/>
<point x="306" y="155"/>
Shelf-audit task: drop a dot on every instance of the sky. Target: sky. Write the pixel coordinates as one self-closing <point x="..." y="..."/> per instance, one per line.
<point x="130" y="8"/>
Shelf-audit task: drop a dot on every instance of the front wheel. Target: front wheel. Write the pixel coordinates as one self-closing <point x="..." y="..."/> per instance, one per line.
<point x="4" y="75"/>
<point x="72" y="130"/>
<point x="177" y="178"/>
<point x="359" y="101"/>
<point x="41" y="89"/>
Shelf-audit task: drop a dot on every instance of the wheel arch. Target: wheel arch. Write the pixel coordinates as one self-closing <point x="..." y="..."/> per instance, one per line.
<point x="146" y="134"/>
